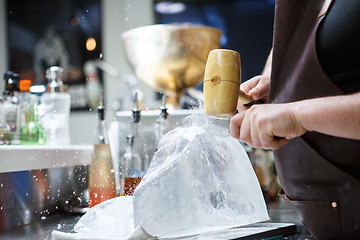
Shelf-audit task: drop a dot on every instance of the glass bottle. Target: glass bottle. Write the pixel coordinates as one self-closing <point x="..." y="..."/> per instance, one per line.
<point x="26" y="99"/>
<point x="4" y="128"/>
<point x="10" y="107"/>
<point x="32" y="133"/>
<point x="93" y="86"/>
<point x="137" y="131"/>
<point x="102" y="175"/>
<point x="162" y="125"/>
<point x="131" y="168"/>
<point x="55" y="108"/>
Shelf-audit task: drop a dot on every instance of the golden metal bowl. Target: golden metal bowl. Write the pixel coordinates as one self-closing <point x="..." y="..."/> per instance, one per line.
<point x="170" y="57"/>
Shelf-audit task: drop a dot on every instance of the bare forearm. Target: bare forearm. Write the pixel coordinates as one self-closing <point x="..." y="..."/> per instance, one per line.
<point x="267" y="68"/>
<point x="337" y="116"/>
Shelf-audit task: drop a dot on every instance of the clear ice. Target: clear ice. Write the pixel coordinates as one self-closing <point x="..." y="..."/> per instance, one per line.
<point x="112" y="219"/>
<point x="199" y="178"/>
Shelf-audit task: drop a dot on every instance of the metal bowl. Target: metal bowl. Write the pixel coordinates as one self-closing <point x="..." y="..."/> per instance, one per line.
<point x="170" y="57"/>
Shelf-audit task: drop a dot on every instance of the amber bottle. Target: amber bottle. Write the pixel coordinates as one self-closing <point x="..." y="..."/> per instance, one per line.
<point x="102" y="175"/>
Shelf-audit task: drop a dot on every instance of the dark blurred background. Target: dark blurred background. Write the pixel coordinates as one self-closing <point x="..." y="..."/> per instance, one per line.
<point x="247" y="25"/>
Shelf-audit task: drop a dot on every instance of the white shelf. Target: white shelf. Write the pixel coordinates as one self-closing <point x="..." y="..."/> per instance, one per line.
<point x="21" y="157"/>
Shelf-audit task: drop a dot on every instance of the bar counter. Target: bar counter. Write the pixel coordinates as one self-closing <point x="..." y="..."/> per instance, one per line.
<point x="279" y="212"/>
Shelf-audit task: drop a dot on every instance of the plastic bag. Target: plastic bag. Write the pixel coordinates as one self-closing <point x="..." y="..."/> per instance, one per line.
<point x="200" y="179"/>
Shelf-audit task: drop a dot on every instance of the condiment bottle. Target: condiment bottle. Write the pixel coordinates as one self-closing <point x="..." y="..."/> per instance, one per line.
<point x="131" y="168"/>
<point x="102" y="175"/>
<point x="137" y="131"/>
<point x="162" y="124"/>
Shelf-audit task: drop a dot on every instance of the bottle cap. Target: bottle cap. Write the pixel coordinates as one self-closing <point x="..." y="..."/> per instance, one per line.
<point x="163" y="114"/>
<point x="8" y="74"/>
<point x="54" y="75"/>
<point x="136" y="112"/>
<point x="101" y="108"/>
<point x="130" y="140"/>
<point x="25" y="85"/>
<point x="12" y="84"/>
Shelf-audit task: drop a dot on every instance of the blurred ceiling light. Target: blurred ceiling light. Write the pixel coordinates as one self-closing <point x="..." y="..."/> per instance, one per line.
<point x="90" y="44"/>
<point x="170" y="7"/>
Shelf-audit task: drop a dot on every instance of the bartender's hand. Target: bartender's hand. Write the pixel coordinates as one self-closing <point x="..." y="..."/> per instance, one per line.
<point x="267" y="126"/>
<point x="257" y="88"/>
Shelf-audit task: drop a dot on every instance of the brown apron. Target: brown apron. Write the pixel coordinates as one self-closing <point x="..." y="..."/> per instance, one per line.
<point x="319" y="174"/>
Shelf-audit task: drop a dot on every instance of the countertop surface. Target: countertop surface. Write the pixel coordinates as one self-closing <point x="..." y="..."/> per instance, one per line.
<point x="279" y="212"/>
<point x="28" y="157"/>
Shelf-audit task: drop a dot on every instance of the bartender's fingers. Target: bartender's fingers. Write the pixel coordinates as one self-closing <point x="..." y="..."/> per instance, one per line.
<point x="235" y="124"/>
<point x="250" y="84"/>
<point x="261" y="127"/>
<point x="261" y="90"/>
<point x="254" y="135"/>
<point x="247" y="133"/>
<point x="271" y="141"/>
<point x="240" y="128"/>
<point x="257" y="87"/>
